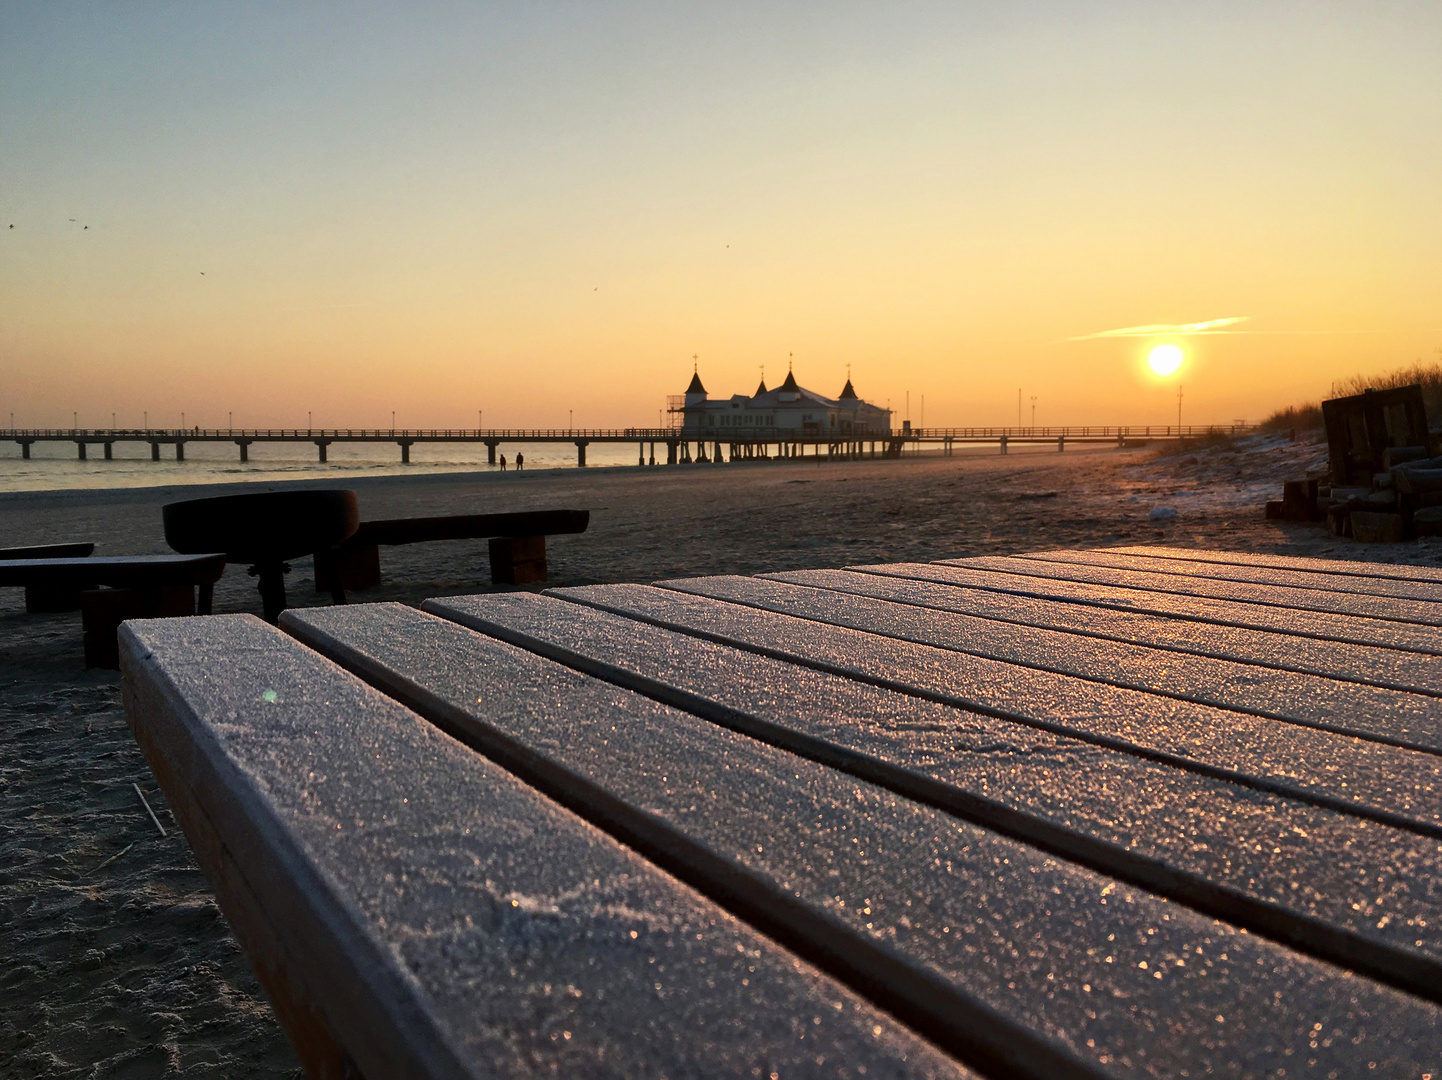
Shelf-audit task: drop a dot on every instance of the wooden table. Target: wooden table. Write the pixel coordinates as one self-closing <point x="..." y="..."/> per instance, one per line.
<point x="1136" y="812"/>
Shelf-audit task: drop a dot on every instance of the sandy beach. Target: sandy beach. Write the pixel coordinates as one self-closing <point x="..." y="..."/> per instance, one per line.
<point x="119" y="963"/>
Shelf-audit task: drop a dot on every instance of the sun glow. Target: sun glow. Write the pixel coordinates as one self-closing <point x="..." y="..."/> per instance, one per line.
<point x="1164" y="359"/>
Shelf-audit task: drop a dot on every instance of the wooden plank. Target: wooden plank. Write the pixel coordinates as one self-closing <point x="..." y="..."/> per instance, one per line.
<point x="1229" y="851"/>
<point x="1385" y="783"/>
<point x="1341" y="567"/>
<point x="1252" y="575"/>
<point x="469" y="527"/>
<point x="412" y="907"/>
<point x="119" y="571"/>
<point x="1398" y="717"/>
<point x="47" y="551"/>
<point x="1306" y="624"/>
<point x="908" y="583"/>
<point x="1034" y="963"/>
<point x="1418" y="612"/>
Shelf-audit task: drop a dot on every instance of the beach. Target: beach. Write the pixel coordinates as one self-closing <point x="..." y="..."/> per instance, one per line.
<point x="118" y="961"/>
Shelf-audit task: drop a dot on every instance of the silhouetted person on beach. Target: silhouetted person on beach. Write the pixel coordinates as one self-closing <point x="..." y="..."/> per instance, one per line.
<point x="503" y="463"/>
<point x="520" y="461"/>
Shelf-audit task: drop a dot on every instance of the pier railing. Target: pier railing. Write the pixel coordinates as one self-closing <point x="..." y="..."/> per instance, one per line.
<point x="677" y="442"/>
<point x="729" y="435"/>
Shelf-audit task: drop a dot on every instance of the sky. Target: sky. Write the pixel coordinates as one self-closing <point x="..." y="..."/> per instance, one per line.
<point x="257" y="213"/>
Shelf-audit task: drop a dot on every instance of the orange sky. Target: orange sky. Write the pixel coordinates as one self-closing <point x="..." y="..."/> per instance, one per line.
<point x="552" y="209"/>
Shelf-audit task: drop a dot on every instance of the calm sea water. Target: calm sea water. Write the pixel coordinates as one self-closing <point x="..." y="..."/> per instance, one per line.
<point x="54" y="466"/>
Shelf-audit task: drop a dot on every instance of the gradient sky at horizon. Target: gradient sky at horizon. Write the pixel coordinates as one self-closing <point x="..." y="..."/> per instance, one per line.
<point x="539" y="208"/>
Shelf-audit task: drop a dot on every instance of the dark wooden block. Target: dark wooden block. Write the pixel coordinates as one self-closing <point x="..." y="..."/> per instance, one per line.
<point x="51" y="598"/>
<point x="1371" y="528"/>
<point x="103" y="610"/>
<point x="355" y="567"/>
<point x="518" y="560"/>
<point x="1361" y="428"/>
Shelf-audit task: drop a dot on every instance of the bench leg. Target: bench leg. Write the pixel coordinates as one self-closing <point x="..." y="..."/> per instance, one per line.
<point x="44" y="598"/>
<point x="518" y="560"/>
<point x="103" y="610"/>
<point x="206" y="603"/>
<point x="271" y="587"/>
<point x="347" y="569"/>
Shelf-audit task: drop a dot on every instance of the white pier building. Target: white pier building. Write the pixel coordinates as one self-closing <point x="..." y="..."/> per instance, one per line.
<point x="789" y="410"/>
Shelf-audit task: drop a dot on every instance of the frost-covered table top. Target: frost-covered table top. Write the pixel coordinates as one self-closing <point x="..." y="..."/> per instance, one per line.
<point x="1133" y="812"/>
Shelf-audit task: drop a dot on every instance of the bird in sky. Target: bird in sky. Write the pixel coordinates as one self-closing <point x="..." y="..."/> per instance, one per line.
<point x="202" y="273"/>
<point x="72" y="219"/>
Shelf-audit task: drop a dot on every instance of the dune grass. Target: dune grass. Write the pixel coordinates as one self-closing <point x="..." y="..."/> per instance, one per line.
<point x="1309" y="415"/>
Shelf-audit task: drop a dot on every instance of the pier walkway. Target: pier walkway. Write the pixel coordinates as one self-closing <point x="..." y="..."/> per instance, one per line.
<point x="678" y="447"/>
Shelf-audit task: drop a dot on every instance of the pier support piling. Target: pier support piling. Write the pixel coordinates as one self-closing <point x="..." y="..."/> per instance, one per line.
<point x="405" y="445"/>
<point x="179" y="450"/>
<point x="24" y="451"/>
<point x="81" y="447"/>
<point x="491" y="445"/>
<point x="320" y="445"/>
<point x="155" y="451"/>
<point x="581" y="445"/>
<point x="109" y="451"/>
<point x="244" y="445"/>
<point x="1061" y="444"/>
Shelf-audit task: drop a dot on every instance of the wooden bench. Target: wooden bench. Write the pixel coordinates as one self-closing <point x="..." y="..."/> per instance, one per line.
<point x="991" y="819"/>
<point x="37" y="598"/>
<point x="115" y="588"/>
<point x="517" y="545"/>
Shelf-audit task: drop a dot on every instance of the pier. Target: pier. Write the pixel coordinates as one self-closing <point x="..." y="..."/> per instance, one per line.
<point x="677" y="446"/>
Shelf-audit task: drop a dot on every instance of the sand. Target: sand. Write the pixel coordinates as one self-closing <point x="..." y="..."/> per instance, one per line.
<point x="118" y="962"/>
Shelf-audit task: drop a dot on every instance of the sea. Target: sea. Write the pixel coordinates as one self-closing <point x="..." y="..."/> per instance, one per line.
<point x="55" y="466"/>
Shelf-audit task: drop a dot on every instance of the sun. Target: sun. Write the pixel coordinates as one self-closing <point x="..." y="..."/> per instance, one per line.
<point x="1165" y="359"/>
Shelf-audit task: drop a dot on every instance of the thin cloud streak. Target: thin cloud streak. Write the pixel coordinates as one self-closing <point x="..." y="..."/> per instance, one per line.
<point x="1204" y="329"/>
<point x="1210" y="326"/>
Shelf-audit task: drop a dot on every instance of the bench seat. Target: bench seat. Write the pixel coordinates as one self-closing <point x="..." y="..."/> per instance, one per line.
<point x="113" y="588"/>
<point x="39" y="598"/>
<point x="517" y="548"/>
